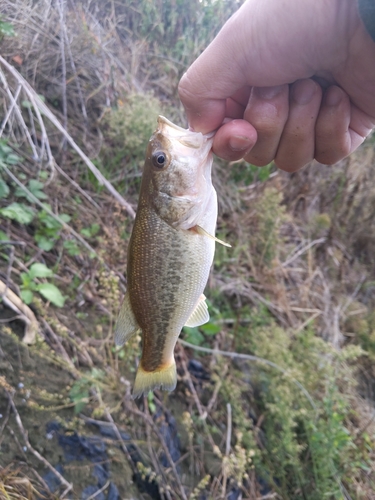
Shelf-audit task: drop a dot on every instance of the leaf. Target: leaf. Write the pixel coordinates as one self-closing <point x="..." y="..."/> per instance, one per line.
<point x="26" y="104"/>
<point x="88" y="232"/>
<point x="4" y="149"/>
<point x="17" y="59"/>
<point x="44" y="243"/>
<point x="34" y="184"/>
<point x="34" y="187"/>
<point x="6" y="29"/>
<point x="193" y="335"/>
<point x="210" y="329"/>
<point x="3" y="236"/>
<point x="151" y="404"/>
<point x="39" y="270"/>
<point x="65" y="217"/>
<point x="27" y="296"/>
<point x="18" y="212"/>
<point x="4" y="189"/>
<point x="26" y="280"/>
<point x="52" y="293"/>
<point x="79" y="394"/>
<point x="72" y="248"/>
<point x="12" y="159"/>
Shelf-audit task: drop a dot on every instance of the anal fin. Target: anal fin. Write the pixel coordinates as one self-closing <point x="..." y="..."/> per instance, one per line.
<point x="200" y="314"/>
<point x="126" y="324"/>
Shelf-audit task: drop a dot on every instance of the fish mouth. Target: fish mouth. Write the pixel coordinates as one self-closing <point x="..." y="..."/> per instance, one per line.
<point x="186" y="137"/>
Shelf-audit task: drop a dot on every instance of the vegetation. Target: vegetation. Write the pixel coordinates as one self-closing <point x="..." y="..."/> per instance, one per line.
<point x="275" y="393"/>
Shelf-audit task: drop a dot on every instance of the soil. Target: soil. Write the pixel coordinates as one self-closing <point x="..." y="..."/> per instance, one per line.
<point x="86" y="458"/>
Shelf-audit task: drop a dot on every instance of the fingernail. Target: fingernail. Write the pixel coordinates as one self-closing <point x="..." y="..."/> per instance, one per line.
<point x="332" y="96"/>
<point x="268" y="92"/>
<point x="303" y="92"/>
<point x="239" y="143"/>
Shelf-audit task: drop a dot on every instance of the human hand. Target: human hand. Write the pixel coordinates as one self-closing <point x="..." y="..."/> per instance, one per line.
<point x="287" y="81"/>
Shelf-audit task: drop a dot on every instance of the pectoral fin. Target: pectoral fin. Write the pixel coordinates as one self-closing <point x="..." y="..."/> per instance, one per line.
<point x="203" y="232"/>
<point x="126" y="324"/>
<point x="200" y="314"/>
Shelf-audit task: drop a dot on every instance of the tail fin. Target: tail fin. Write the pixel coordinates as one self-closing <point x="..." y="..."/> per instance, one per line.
<point x="164" y="378"/>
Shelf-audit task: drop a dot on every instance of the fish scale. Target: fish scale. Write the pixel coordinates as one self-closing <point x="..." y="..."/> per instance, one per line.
<point x="175" y="280"/>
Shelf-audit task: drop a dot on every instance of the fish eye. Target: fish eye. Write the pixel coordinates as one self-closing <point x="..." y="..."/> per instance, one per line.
<point x="159" y="159"/>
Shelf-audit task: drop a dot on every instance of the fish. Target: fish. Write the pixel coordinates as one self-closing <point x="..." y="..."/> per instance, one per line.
<point x="170" y="253"/>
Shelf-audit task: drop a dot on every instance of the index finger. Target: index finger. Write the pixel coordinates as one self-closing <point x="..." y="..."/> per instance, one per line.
<point x="203" y="92"/>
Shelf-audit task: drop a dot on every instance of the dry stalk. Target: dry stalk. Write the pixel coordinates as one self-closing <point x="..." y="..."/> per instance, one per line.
<point x="150" y="422"/>
<point x="40" y="107"/>
<point x="25" y="313"/>
<point x="63" y="352"/>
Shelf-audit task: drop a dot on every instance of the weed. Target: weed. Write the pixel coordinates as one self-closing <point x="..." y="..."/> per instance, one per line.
<point x="48" y="290"/>
<point x="80" y="391"/>
<point x="270" y="215"/>
<point x="48" y="229"/>
<point x="129" y="128"/>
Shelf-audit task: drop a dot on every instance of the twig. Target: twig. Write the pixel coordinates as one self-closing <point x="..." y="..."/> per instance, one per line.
<point x="99" y="491"/>
<point x="306" y="322"/>
<point x="61" y="8"/>
<point x="26" y="314"/>
<point x="227" y="449"/>
<point x="78" y="187"/>
<point x="63" y="352"/>
<point x="5" y="421"/>
<point x="202" y="413"/>
<point x="12" y="105"/>
<point x="303" y="250"/>
<point x="18" y="112"/>
<point x="63" y="481"/>
<point x="9" y="270"/>
<point x="121" y="441"/>
<point x="229" y="429"/>
<point x="159" y="470"/>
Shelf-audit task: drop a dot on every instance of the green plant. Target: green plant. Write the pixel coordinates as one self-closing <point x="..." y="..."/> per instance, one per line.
<point x="48" y="229"/>
<point x="80" y="391"/>
<point x="305" y="452"/>
<point x="19" y="212"/>
<point x="270" y="215"/>
<point x="245" y="173"/>
<point x="6" y="29"/>
<point x="129" y="128"/>
<point x="35" y="187"/>
<point x="7" y="158"/>
<point x="48" y="290"/>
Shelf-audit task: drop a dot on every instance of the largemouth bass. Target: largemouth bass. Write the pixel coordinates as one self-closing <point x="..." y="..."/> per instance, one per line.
<point x="170" y="252"/>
